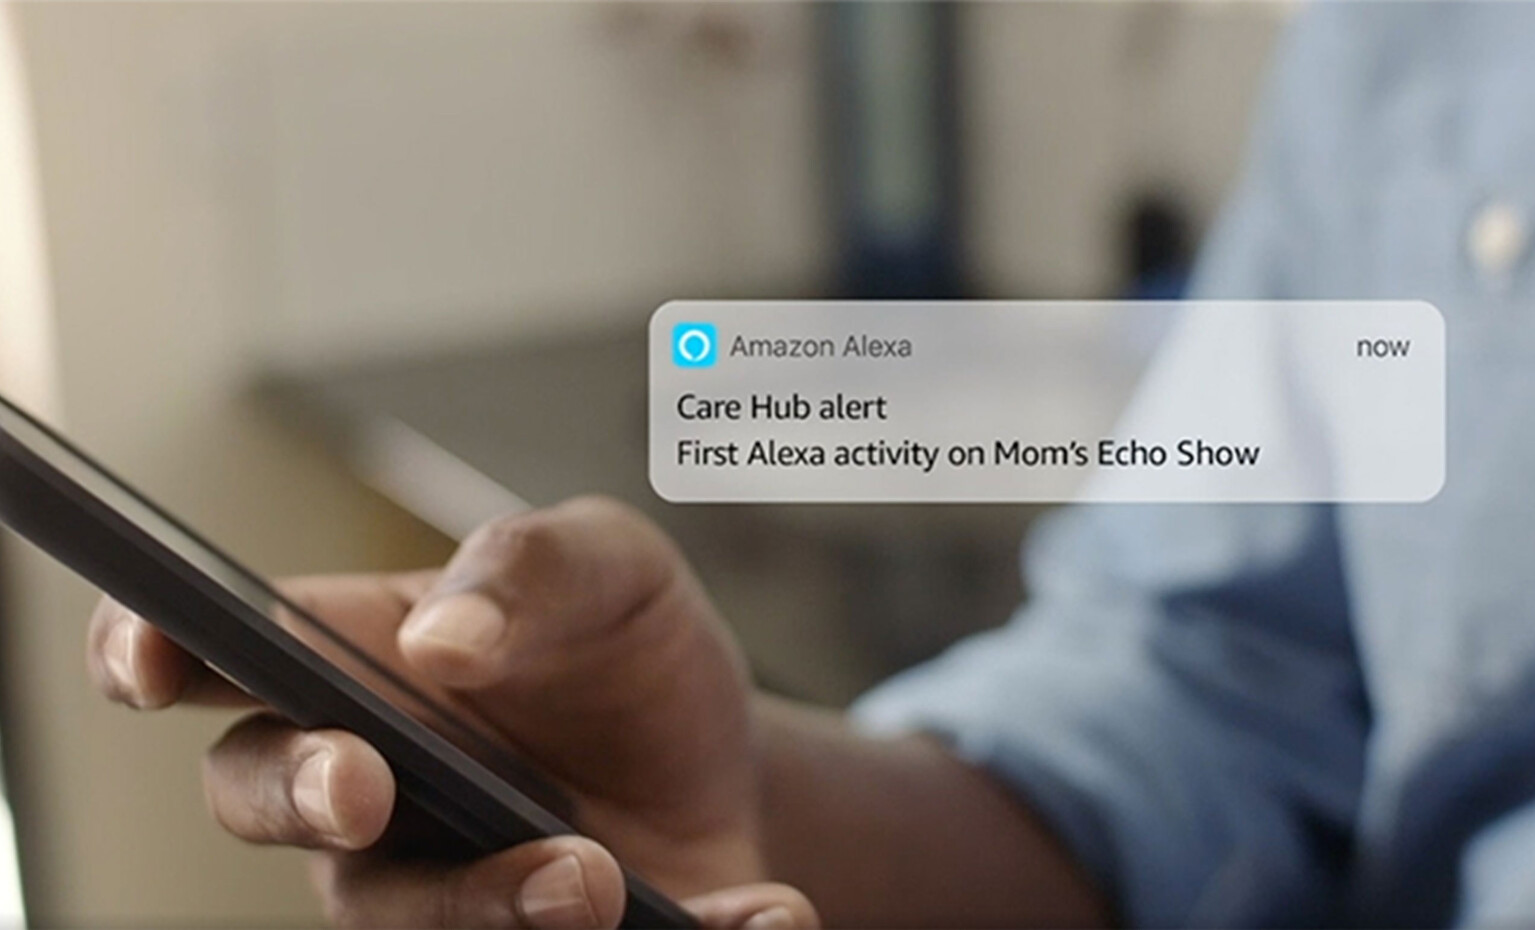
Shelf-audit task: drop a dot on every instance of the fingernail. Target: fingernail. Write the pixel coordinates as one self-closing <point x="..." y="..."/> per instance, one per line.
<point x="774" y="918"/>
<point x="311" y="794"/>
<point x="467" y="623"/>
<point x="118" y="654"/>
<point x="554" y="897"/>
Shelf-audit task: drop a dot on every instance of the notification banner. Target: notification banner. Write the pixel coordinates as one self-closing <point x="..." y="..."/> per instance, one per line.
<point x="1040" y="401"/>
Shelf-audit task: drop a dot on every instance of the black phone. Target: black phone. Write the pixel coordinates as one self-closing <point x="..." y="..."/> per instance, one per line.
<point x="461" y="794"/>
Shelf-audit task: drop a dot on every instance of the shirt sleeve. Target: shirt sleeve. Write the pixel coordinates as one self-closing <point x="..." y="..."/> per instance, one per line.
<point x="1180" y="700"/>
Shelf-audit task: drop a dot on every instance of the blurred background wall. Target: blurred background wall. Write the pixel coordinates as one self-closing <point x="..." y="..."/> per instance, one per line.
<point x="226" y="190"/>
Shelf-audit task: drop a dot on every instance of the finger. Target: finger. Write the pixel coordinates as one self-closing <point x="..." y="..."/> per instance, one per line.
<point x="561" y="883"/>
<point x="133" y="663"/>
<point x="367" y="611"/>
<point x="267" y="782"/>
<point x="765" y="906"/>
<point x="535" y="579"/>
<point x="365" y="608"/>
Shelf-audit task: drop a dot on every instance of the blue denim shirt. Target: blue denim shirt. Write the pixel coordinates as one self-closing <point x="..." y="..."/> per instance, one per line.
<point x="1292" y="715"/>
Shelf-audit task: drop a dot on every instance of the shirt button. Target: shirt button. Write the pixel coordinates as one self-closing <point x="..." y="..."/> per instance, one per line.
<point x="1497" y="238"/>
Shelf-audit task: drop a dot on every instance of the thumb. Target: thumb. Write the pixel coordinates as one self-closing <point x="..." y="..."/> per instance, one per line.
<point x="522" y="588"/>
<point x="764" y="906"/>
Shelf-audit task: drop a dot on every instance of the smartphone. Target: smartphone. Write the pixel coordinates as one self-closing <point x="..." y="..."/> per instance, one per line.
<point x="461" y="794"/>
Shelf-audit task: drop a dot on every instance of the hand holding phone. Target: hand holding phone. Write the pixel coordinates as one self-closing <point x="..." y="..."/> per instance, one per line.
<point x="573" y="638"/>
<point x="576" y="634"/>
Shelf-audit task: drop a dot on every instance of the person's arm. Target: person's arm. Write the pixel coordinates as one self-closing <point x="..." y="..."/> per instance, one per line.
<point x="899" y="833"/>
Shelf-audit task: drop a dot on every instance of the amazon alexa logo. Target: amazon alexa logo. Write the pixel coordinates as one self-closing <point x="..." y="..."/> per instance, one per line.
<point x="694" y="345"/>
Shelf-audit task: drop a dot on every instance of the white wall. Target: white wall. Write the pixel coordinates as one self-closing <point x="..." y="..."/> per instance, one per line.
<point x="425" y="174"/>
<point x="437" y="173"/>
<point x="26" y="308"/>
<point x="26" y="331"/>
<point x="151" y="355"/>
